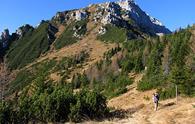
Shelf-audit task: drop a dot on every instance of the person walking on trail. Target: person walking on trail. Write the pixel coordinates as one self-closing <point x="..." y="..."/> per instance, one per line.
<point x="155" y="100"/>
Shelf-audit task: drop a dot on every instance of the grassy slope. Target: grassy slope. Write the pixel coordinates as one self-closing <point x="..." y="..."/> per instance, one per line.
<point x="113" y="34"/>
<point x="28" y="48"/>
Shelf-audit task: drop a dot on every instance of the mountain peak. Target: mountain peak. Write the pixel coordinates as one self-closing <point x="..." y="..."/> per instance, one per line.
<point x="117" y="13"/>
<point x="126" y="4"/>
<point x="127" y="1"/>
<point x="141" y="17"/>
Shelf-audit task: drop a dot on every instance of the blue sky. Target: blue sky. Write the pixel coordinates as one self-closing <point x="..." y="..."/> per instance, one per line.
<point x="14" y="13"/>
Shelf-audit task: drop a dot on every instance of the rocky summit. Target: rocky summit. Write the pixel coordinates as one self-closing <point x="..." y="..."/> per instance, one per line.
<point x="116" y="13"/>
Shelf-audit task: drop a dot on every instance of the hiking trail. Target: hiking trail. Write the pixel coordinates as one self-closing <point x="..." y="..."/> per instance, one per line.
<point x="139" y="109"/>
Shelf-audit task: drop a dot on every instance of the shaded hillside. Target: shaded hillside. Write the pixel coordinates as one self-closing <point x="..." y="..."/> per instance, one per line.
<point x="30" y="46"/>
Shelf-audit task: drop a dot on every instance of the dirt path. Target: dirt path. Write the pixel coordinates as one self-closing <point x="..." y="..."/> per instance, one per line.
<point x="141" y="110"/>
<point x="168" y="113"/>
<point x="132" y="98"/>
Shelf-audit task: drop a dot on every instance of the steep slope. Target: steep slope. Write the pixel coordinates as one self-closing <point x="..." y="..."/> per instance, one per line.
<point x="131" y="9"/>
<point x="34" y="43"/>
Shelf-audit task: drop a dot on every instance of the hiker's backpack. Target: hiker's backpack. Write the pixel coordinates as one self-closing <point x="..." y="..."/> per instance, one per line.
<point x="157" y="97"/>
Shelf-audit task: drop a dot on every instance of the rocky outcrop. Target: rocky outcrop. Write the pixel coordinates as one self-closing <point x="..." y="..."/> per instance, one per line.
<point x="132" y="10"/>
<point x="4" y="38"/>
<point x="62" y="17"/>
<point x="79" y="30"/>
<point x="80" y="15"/>
<point x="5" y="35"/>
<point x="102" y="30"/>
<point x="98" y="13"/>
<point x="112" y="13"/>
<point x="21" y="31"/>
<point x="124" y="10"/>
<point x="126" y="4"/>
<point x="52" y="30"/>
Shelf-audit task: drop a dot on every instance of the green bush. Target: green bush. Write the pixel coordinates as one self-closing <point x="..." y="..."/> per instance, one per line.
<point x="22" y="79"/>
<point x="5" y="112"/>
<point x="135" y="45"/>
<point x="24" y="106"/>
<point x="179" y="73"/>
<point x="113" y="85"/>
<point x="39" y="73"/>
<point x="54" y="104"/>
<point x="154" y="77"/>
<point x="79" y="80"/>
<point x="89" y="105"/>
<point x="167" y="93"/>
<point x="126" y="65"/>
<point x="133" y="59"/>
<point x="179" y="47"/>
<point x="109" y="54"/>
<point x="152" y="82"/>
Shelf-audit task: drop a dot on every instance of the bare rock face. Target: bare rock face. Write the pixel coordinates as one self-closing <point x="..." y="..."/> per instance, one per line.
<point x="80" y="15"/>
<point x="52" y="30"/>
<point x="133" y="11"/>
<point x="77" y="29"/>
<point x="98" y="13"/>
<point x="5" y="35"/>
<point x="4" y="38"/>
<point x="61" y="17"/>
<point x="124" y="10"/>
<point x="109" y="18"/>
<point x="117" y="13"/>
<point x="4" y="43"/>
<point x="112" y="15"/>
<point x="102" y="31"/>
<point x="126" y="4"/>
<point x="21" y="31"/>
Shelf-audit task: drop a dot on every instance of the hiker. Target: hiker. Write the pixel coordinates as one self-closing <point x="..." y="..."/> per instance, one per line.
<point x="155" y="100"/>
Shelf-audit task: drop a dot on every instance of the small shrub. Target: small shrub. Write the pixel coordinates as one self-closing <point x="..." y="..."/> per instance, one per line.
<point x="151" y="83"/>
<point x="115" y="85"/>
<point x="79" y="80"/>
<point x="5" y="112"/>
<point x="89" y="104"/>
<point x="167" y="93"/>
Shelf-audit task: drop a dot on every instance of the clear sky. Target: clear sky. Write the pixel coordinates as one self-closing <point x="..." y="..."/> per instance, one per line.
<point x="14" y="13"/>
